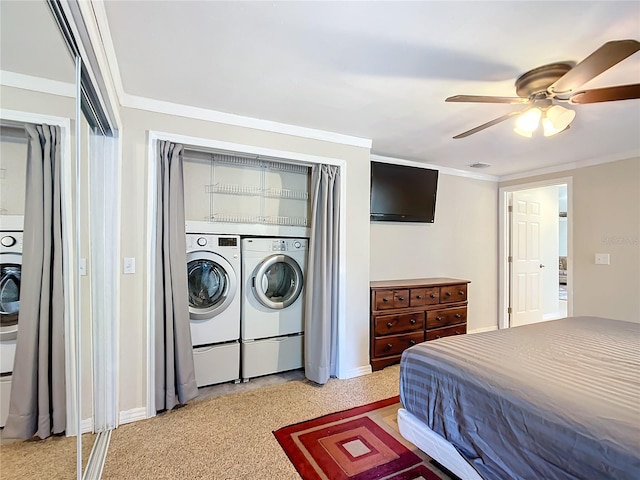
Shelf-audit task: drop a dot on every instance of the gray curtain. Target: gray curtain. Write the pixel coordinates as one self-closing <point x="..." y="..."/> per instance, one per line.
<point x="321" y="302"/>
<point x="38" y="392"/>
<point x="175" y="373"/>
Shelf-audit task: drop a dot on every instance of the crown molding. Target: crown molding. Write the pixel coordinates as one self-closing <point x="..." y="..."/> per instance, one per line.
<point x="446" y="170"/>
<point x="159" y="106"/>
<point x="571" y="166"/>
<point x="37" y="84"/>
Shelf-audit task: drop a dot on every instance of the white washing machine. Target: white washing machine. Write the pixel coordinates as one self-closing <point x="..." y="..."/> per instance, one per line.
<point x="213" y="277"/>
<point x="273" y="277"/>
<point x="10" y="274"/>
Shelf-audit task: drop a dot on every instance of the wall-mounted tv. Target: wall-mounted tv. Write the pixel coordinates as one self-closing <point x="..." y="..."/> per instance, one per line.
<point x="400" y="193"/>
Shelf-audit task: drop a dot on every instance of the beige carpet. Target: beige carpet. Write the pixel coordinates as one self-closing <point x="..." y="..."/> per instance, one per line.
<point x="52" y="458"/>
<point x="230" y="437"/>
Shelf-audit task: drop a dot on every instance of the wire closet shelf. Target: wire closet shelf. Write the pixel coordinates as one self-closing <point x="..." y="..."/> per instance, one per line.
<point x="262" y="190"/>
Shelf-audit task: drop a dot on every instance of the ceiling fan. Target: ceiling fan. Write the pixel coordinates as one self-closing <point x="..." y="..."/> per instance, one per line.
<point x="542" y="88"/>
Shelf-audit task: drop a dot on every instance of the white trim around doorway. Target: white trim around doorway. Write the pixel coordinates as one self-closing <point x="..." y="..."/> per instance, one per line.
<point x="69" y="272"/>
<point x="294" y="157"/>
<point x="503" y="243"/>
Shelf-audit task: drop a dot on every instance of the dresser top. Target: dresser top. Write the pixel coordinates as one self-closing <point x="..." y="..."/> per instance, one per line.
<point x="417" y="282"/>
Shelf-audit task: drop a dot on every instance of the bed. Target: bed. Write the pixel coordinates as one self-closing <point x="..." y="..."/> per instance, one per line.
<point x="553" y="400"/>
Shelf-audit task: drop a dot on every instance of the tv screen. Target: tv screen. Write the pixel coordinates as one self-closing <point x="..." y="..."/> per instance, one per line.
<point x="403" y="194"/>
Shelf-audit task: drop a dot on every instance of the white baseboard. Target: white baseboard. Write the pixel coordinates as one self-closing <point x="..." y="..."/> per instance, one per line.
<point x="355" y="372"/>
<point x="86" y="426"/>
<point x="483" y="329"/>
<point x="133" y="415"/>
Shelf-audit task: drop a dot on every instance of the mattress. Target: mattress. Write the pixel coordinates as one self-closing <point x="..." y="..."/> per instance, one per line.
<point x="554" y="400"/>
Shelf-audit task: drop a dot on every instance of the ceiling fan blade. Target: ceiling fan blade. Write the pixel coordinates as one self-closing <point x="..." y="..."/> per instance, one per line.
<point x="602" y="59"/>
<point x="607" y="94"/>
<point x="486" y="99"/>
<point x="488" y="124"/>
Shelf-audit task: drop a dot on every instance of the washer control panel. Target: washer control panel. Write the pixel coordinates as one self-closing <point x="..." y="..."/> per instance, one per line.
<point x="11" y="242"/>
<point x="8" y="241"/>
<point x="212" y="242"/>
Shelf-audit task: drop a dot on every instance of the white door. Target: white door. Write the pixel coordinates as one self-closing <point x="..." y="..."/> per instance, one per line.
<point x="534" y="255"/>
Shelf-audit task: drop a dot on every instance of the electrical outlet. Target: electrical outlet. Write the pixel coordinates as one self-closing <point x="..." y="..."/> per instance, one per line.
<point x="129" y="265"/>
<point x="603" y="259"/>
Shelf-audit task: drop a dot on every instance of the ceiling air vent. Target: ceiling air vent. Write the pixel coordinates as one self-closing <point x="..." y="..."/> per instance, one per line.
<point x="479" y="165"/>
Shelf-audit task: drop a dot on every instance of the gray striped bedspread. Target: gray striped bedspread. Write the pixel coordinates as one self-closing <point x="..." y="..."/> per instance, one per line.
<point x="553" y="400"/>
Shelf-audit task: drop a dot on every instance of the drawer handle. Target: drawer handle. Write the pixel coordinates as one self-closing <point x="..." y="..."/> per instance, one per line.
<point x="438" y="319"/>
<point x="389" y="346"/>
<point x="448" y="294"/>
<point x="437" y="337"/>
<point x="419" y="297"/>
<point x="401" y="299"/>
<point x="385" y="299"/>
<point x="412" y="342"/>
<point x="389" y="324"/>
<point x="457" y="333"/>
<point x="461" y="292"/>
<point x="412" y="321"/>
<point x="433" y="295"/>
<point x="458" y="315"/>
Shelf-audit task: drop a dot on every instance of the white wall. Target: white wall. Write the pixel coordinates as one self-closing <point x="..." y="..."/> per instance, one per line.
<point x="461" y="243"/>
<point x="606" y="219"/>
<point x="136" y="124"/>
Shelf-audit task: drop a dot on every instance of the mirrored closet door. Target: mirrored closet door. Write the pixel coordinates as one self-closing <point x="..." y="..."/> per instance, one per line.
<point x="38" y="111"/>
<point x="45" y="82"/>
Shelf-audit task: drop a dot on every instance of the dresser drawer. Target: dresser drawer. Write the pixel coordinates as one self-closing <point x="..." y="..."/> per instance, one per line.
<point x="447" y="316"/>
<point x="424" y="296"/>
<point x="386" y="299"/>
<point x="453" y="293"/>
<point x="446" y="332"/>
<point x="393" y="324"/>
<point x="396" y="344"/>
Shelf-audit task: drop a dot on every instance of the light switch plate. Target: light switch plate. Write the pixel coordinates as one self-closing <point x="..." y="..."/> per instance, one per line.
<point x="603" y="259"/>
<point x="129" y="265"/>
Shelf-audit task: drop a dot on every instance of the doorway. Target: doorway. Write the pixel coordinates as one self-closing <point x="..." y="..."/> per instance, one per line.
<point x="535" y="252"/>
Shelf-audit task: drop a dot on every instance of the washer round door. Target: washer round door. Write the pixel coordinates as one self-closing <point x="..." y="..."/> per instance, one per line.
<point x="277" y="281"/>
<point x="212" y="284"/>
<point x="10" y="273"/>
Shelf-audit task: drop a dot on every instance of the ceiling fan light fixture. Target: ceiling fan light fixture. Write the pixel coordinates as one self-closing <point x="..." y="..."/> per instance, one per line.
<point x="556" y="119"/>
<point x="528" y="122"/>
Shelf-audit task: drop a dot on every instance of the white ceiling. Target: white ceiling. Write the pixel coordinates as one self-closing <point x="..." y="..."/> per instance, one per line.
<point x="381" y="70"/>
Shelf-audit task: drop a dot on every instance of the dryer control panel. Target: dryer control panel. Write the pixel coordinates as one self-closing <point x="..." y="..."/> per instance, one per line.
<point x="286" y="245"/>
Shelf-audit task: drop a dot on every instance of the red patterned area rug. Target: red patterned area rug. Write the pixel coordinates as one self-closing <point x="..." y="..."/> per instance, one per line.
<point x="362" y="443"/>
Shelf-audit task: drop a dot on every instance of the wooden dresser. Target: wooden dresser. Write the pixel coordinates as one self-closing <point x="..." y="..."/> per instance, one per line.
<point x="406" y="312"/>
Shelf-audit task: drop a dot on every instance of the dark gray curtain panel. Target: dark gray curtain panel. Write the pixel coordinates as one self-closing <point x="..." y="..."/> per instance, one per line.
<point x="321" y="290"/>
<point x="38" y="391"/>
<point x="175" y="374"/>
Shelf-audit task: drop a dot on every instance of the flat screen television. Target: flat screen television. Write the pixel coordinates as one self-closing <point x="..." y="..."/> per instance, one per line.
<point x="400" y="193"/>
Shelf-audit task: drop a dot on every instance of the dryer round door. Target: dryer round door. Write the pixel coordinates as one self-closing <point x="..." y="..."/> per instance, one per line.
<point x="212" y="284"/>
<point x="10" y="273"/>
<point x="277" y="281"/>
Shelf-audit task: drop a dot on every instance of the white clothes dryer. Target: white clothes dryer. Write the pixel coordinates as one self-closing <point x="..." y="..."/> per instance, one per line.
<point x="273" y="272"/>
<point x="273" y="277"/>
<point x="10" y="275"/>
<point x="213" y="276"/>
